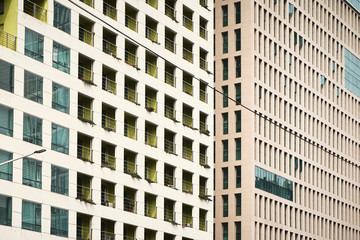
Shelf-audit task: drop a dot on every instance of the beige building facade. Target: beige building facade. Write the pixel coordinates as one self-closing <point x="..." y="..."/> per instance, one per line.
<point x="287" y="165"/>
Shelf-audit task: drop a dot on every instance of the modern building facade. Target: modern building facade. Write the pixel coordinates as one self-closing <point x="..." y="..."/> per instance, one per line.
<point x="289" y="169"/>
<point x="117" y="92"/>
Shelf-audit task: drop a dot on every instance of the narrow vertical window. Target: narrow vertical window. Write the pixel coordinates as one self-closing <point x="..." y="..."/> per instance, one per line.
<point x="5" y="210"/>
<point x="6" y="120"/>
<point x="237" y="12"/>
<point x="33" y="87"/>
<point x="225" y="38"/>
<point x="60" y="139"/>
<point x="32" y="129"/>
<point x="225" y="231"/>
<point x="238" y="39"/>
<point x="225" y="205"/>
<point x="238" y="204"/>
<point x="225" y="96"/>
<point x="32" y="172"/>
<point x="238" y="176"/>
<point x="225" y="69"/>
<point x="225" y="123"/>
<point x="61" y="57"/>
<point x="238" y="66"/>
<point x="60" y="98"/>
<point x="59" y="180"/>
<point x="238" y="121"/>
<point x="225" y="150"/>
<point x="237" y="230"/>
<point x="238" y="148"/>
<point x="238" y="93"/>
<point x="7" y="76"/>
<point x="225" y="15"/>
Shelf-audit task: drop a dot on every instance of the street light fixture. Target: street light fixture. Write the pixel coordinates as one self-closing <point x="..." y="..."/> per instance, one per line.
<point x="12" y="160"/>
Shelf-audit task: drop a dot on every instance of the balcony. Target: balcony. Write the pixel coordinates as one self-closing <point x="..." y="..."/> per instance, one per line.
<point x="130" y="18"/>
<point x="202" y="220"/>
<point x="109" y="9"/>
<point x="187" y="18"/>
<point x="169" y="74"/>
<point x="84" y="191"/>
<point x="7" y="40"/>
<point x="169" y="144"/>
<point x="129" y="205"/>
<point x="85" y="73"/>
<point x="187" y="116"/>
<point x="107" y="155"/>
<point x="187" y="219"/>
<point x="169" y="213"/>
<point x="169" y="177"/>
<point x="150" y="170"/>
<point x="130" y="130"/>
<point x="107" y="229"/>
<point x="108" y="80"/>
<point x="187" y="149"/>
<point x="204" y="3"/>
<point x="203" y="160"/>
<point x="130" y="90"/>
<point x="203" y="64"/>
<point x="187" y="83"/>
<point x="37" y="9"/>
<point x="130" y="54"/>
<point x="129" y="232"/>
<point x="109" y="43"/>
<point x="170" y="9"/>
<point x="153" y="3"/>
<point x="130" y="166"/>
<point x="188" y="55"/>
<point x="86" y="33"/>
<point x="150" y="205"/>
<point x="84" y="151"/>
<point x="83" y="227"/>
<point x="202" y="123"/>
<point x="170" y="40"/>
<point x="90" y="3"/>
<point x="202" y="28"/>
<point x="151" y="65"/>
<point x="203" y="96"/>
<point x="107" y="194"/>
<point x="150" y="134"/>
<point x="108" y="121"/>
<point x="85" y="112"/>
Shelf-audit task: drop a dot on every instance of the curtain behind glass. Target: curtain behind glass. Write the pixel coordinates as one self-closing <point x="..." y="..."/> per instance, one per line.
<point x="6" y="76"/>
<point x="31" y="216"/>
<point x="61" y="57"/>
<point x="33" y="86"/>
<point x="62" y="17"/>
<point x="60" y="139"/>
<point x="5" y="210"/>
<point x="32" y="129"/>
<point x="60" y="98"/>
<point x="59" y="222"/>
<point x="34" y="43"/>
<point x="32" y="172"/>
<point x="6" y="121"/>
<point x="59" y="180"/>
<point x="6" y="170"/>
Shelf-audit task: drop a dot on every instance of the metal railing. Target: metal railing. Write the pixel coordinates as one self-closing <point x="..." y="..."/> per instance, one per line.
<point x="108" y="123"/>
<point x="187" y="220"/>
<point x="151" y="104"/>
<point x="107" y="160"/>
<point x="109" y="85"/>
<point x="86" y="36"/>
<point x="109" y="48"/>
<point x="169" y="215"/>
<point x="204" y="128"/>
<point x="203" y="33"/>
<point x="169" y="112"/>
<point x="169" y="180"/>
<point x="187" y="120"/>
<point x="187" y="186"/>
<point x="107" y="199"/>
<point x="187" y="153"/>
<point x="150" y="210"/>
<point x="131" y="23"/>
<point x="202" y="225"/>
<point x="203" y="3"/>
<point x="187" y="88"/>
<point x="129" y="205"/>
<point x="130" y="167"/>
<point x="151" y="69"/>
<point x="170" y="12"/>
<point x="131" y="59"/>
<point x="187" y="55"/>
<point x="170" y="45"/>
<point x="84" y="153"/>
<point x="88" y="2"/>
<point x="203" y="96"/>
<point x="153" y="3"/>
<point x="35" y="10"/>
<point x="107" y="235"/>
<point x="130" y="237"/>
<point x="84" y="193"/>
<point x="150" y="139"/>
<point x="170" y="79"/>
<point x="151" y="34"/>
<point x="130" y="131"/>
<point x="203" y="191"/>
<point x="85" y="74"/>
<point x="85" y="114"/>
<point x="83" y="233"/>
<point x="203" y="64"/>
<point x="188" y="23"/>
<point x="151" y="174"/>
<point x="203" y="159"/>
<point x="130" y="95"/>
<point x="169" y="146"/>
<point x="109" y="10"/>
<point x="7" y="40"/>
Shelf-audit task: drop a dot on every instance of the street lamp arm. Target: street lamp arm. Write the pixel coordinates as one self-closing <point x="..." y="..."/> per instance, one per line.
<point x="12" y="160"/>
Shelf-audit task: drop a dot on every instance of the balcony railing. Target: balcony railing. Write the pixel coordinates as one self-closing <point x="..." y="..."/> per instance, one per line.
<point x="188" y="23"/>
<point x="109" y="48"/>
<point x="187" y="220"/>
<point x="107" y="199"/>
<point x="169" y="112"/>
<point x="130" y="237"/>
<point x="169" y="215"/>
<point x="170" y="79"/>
<point x="129" y="205"/>
<point x="169" y="146"/>
<point x="150" y="104"/>
<point x="169" y="180"/>
<point x="83" y="233"/>
<point x="203" y="33"/>
<point x="203" y="96"/>
<point x="150" y="210"/>
<point x="203" y="191"/>
<point x="130" y="95"/>
<point x="108" y="123"/>
<point x="203" y="64"/>
<point x="85" y="74"/>
<point x="187" y="55"/>
<point x="35" y="10"/>
<point x="109" y="85"/>
<point x="187" y="120"/>
<point x="187" y="186"/>
<point x="153" y="3"/>
<point x="130" y="131"/>
<point x="7" y="40"/>
<point x="187" y="88"/>
<point x="203" y="3"/>
<point x="150" y="139"/>
<point x="150" y="174"/>
<point x="170" y="45"/>
<point x="203" y="160"/>
<point x="202" y="225"/>
<point x="131" y="59"/>
<point x="187" y="153"/>
<point x="108" y="161"/>
<point x="130" y="167"/>
<point x="131" y="23"/>
<point x="204" y="128"/>
<point x="151" y="69"/>
<point x="85" y="114"/>
<point x="109" y="11"/>
<point x="151" y="34"/>
<point x="88" y="2"/>
<point x="107" y="235"/>
<point x="86" y="36"/>
<point x="84" y="153"/>
<point x="84" y="193"/>
<point x="170" y="12"/>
